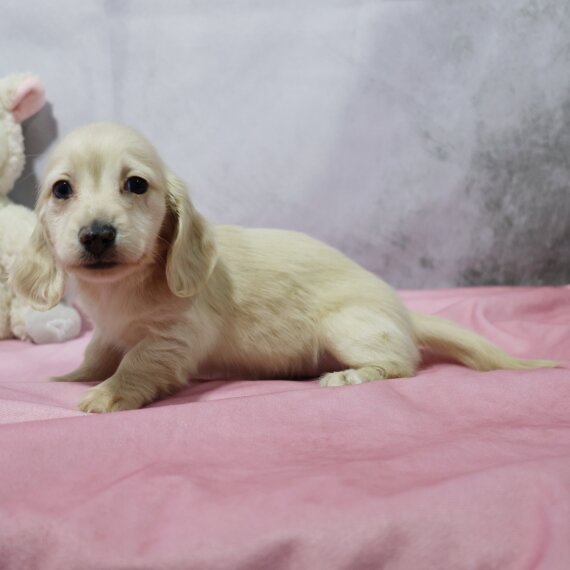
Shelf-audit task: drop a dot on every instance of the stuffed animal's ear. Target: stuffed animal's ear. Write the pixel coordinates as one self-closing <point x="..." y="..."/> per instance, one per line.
<point x="192" y="252"/>
<point x="35" y="275"/>
<point x="28" y="99"/>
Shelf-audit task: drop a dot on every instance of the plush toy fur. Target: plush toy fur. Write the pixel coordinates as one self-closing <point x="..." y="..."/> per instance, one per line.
<point x="21" y="96"/>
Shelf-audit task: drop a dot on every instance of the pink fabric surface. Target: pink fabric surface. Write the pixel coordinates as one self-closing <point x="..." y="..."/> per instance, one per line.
<point x="452" y="469"/>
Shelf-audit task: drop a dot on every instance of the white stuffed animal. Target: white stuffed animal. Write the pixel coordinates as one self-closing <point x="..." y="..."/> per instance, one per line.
<point x="21" y="96"/>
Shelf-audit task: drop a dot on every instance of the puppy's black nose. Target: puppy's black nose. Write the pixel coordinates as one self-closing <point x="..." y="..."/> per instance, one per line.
<point x="97" y="238"/>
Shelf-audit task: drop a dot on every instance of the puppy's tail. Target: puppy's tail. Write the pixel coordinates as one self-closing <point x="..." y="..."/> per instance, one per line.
<point x="445" y="338"/>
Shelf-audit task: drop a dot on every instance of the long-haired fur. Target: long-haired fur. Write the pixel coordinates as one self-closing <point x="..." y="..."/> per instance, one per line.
<point x="178" y="298"/>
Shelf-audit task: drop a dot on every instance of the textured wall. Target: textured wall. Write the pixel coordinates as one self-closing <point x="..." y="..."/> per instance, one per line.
<point x="429" y="140"/>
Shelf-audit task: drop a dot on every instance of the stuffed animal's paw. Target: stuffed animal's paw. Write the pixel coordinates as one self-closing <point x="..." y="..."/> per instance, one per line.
<point x="56" y="325"/>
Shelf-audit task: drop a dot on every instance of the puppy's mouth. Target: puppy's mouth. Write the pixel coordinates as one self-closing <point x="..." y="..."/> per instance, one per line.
<point x="100" y="265"/>
<point x="87" y="263"/>
<point x="105" y="269"/>
<point x="109" y="260"/>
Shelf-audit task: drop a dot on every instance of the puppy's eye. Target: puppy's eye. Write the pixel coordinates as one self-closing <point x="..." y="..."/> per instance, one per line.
<point x="62" y="190"/>
<point x="136" y="185"/>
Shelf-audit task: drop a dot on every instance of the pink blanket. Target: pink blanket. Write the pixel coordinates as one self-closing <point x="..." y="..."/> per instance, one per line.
<point x="453" y="469"/>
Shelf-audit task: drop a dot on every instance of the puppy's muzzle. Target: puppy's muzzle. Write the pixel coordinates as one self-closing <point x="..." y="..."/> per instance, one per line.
<point x="98" y="238"/>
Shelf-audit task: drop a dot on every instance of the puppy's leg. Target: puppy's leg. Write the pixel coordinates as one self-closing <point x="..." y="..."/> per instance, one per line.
<point x="371" y="344"/>
<point x="100" y="361"/>
<point x="151" y="369"/>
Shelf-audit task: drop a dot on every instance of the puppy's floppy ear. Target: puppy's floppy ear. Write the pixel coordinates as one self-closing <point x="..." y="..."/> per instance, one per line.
<point x="35" y="275"/>
<point x="192" y="253"/>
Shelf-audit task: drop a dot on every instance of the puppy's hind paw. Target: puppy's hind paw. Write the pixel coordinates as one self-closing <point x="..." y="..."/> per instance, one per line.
<point x="343" y="378"/>
<point x="352" y="376"/>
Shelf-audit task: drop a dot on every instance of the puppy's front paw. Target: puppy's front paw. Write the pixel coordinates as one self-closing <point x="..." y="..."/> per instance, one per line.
<point x="71" y="377"/>
<point x="104" y="398"/>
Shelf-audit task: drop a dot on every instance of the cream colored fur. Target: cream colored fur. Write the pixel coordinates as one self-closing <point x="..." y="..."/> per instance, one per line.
<point x="16" y="222"/>
<point x="21" y="96"/>
<point x="190" y="300"/>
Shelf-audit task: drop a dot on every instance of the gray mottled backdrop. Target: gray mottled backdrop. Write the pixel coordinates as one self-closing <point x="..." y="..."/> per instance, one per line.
<point x="429" y="140"/>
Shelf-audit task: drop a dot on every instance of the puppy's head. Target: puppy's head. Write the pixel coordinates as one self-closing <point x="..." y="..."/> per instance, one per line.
<point x="106" y="208"/>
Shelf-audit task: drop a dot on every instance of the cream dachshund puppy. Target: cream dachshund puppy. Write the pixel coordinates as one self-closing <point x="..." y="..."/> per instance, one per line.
<point x="172" y="297"/>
